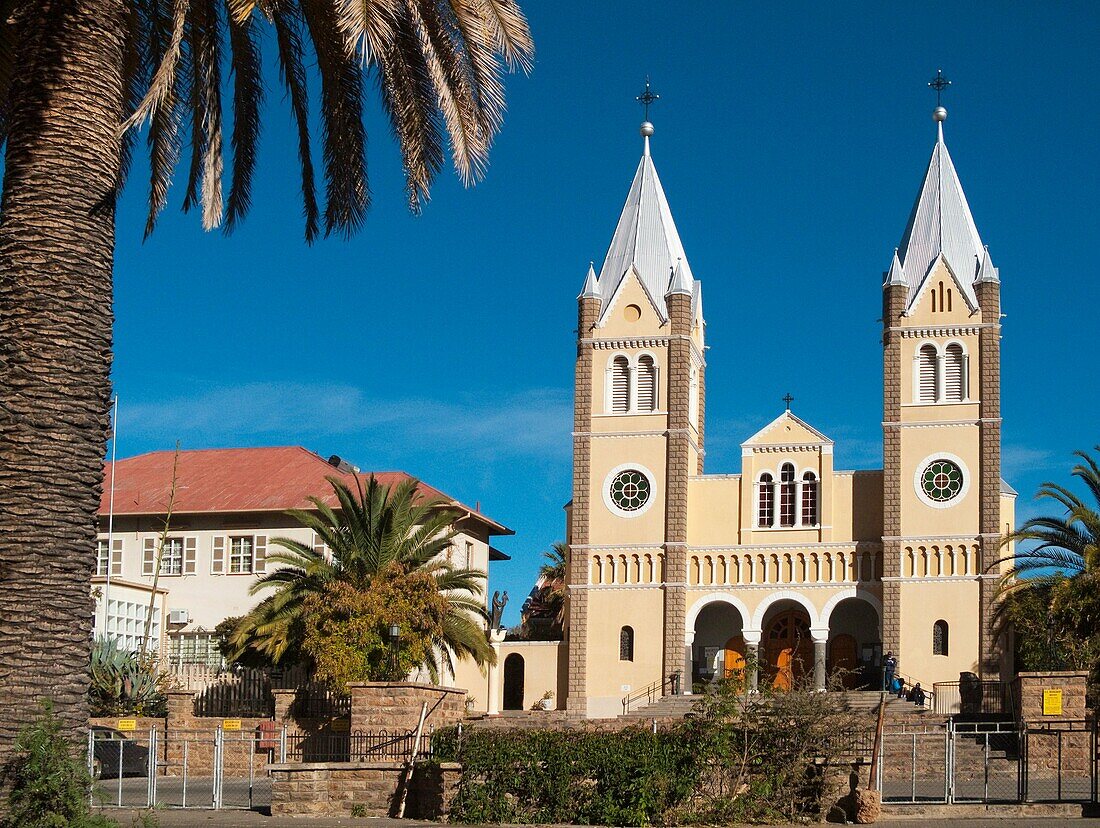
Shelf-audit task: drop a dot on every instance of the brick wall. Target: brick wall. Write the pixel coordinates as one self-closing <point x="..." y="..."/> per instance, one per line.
<point x="374" y="788"/>
<point x="395" y="706"/>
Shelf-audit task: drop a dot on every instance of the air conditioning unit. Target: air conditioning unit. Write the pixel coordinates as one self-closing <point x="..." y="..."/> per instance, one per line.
<point x="179" y="617"/>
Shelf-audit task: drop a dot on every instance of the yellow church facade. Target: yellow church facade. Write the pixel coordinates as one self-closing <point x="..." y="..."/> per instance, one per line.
<point x="677" y="571"/>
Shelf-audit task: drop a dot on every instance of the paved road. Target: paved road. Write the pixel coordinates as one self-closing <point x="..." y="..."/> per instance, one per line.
<point x="253" y="819"/>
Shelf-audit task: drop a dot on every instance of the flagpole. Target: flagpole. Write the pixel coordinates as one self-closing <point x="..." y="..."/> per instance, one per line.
<point x="111" y="517"/>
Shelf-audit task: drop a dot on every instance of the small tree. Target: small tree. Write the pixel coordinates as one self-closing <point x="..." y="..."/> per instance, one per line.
<point x="346" y="629"/>
<point x="49" y="783"/>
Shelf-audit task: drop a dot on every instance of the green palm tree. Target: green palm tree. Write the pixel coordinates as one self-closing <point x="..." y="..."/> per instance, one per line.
<point x="77" y="77"/>
<point x="1058" y="547"/>
<point x="552" y="575"/>
<point x="375" y="532"/>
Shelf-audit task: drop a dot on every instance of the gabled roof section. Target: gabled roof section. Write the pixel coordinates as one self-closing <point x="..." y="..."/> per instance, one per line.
<point x="267" y="479"/>
<point x="646" y="238"/>
<point x="940" y="224"/>
<point x="787" y="429"/>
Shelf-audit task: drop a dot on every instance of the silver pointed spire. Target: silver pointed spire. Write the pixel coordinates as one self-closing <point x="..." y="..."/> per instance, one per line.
<point x="679" y="283"/>
<point x="986" y="271"/>
<point x="646" y="240"/>
<point x="591" y="289"/>
<point x="896" y="276"/>
<point x="941" y="223"/>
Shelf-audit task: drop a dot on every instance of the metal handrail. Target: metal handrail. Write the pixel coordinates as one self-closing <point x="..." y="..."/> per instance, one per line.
<point x="929" y="692"/>
<point x="653" y="691"/>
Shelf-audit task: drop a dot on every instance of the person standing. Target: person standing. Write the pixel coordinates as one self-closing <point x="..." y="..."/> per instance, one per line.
<point x="890" y="665"/>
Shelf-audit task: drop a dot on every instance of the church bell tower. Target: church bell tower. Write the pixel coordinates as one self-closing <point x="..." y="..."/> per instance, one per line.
<point x="941" y="432"/>
<point x="637" y="437"/>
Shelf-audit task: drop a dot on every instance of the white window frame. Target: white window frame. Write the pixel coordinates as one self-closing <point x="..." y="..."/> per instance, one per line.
<point x="233" y="555"/>
<point x="102" y="557"/>
<point x="166" y="558"/>
<point x="613" y="507"/>
<point x="918" y="485"/>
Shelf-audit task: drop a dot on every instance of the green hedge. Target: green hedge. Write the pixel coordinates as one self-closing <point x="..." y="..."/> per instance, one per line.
<point x="632" y="777"/>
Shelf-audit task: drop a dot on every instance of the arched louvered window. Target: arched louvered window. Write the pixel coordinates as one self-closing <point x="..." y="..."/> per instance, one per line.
<point x="926" y="373"/>
<point x="620" y="385"/>
<point x="765" y="515"/>
<point x="647" y="383"/>
<point x="809" y="499"/>
<point x="626" y="644"/>
<point x="955" y="381"/>
<point x="939" y="638"/>
<point x="786" y="495"/>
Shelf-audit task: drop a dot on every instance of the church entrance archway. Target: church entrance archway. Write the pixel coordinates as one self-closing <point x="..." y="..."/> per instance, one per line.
<point x="513" y="682"/>
<point x="855" y="644"/>
<point x="788" y="647"/>
<point x="718" y="648"/>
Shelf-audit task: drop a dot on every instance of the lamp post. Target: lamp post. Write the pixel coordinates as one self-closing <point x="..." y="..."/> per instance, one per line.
<point x="395" y="642"/>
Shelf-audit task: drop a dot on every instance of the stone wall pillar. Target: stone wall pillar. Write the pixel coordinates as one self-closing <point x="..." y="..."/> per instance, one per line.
<point x="989" y="348"/>
<point x="893" y="306"/>
<point x="678" y="468"/>
<point x="396" y="706"/>
<point x="576" y="631"/>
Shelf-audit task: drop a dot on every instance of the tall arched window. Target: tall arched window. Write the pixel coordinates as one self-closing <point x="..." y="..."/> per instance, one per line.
<point x="926" y="373"/>
<point x="693" y="397"/>
<point x="786" y="495"/>
<point x="765" y="514"/>
<point x="809" y="499"/>
<point x="620" y="385"/>
<point x="647" y="383"/>
<point x="626" y="644"/>
<point x="939" y="638"/>
<point x="955" y="385"/>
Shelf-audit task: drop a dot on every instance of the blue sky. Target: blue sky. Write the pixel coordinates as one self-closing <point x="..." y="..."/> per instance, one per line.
<point x="791" y="139"/>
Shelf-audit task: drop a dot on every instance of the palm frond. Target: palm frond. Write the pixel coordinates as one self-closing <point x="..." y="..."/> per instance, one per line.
<point x="286" y="19"/>
<point x="248" y="92"/>
<point x="343" y="135"/>
<point x="510" y="33"/>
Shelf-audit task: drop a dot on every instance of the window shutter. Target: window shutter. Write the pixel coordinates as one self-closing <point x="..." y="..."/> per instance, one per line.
<point x="620" y="385"/>
<point x="954" y="386"/>
<point x="116" y="556"/>
<point x="190" y="548"/>
<point x="647" y="384"/>
<point x="217" y="557"/>
<point x="927" y="378"/>
<point x="259" y="554"/>
<point x="149" y="557"/>
<point x="318" y="545"/>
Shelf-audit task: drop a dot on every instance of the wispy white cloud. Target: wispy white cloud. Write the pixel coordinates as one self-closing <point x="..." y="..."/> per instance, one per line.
<point x="1018" y="460"/>
<point x="535" y="422"/>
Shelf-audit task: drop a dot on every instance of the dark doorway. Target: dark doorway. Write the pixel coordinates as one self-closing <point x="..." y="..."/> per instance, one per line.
<point x="513" y="682"/>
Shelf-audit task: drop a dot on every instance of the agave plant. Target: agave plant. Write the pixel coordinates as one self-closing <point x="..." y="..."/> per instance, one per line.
<point x="124" y="683"/>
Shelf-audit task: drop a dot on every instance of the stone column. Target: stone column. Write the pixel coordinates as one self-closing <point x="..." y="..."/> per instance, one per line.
<point x="989" y="386"/>
<point x="492" y="704"/>
<point x="893" y="306"/>
<point x="752" y="657"/>
<point x="821" y="640"/>
<point x="576" y="701"/>
<point x="676" y="495"/>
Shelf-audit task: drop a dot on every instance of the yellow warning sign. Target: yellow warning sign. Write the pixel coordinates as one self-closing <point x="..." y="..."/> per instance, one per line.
<point x="341" y="725"/>
<point x="127" y="724"/>
<point x="1052" y="702"/>
<point x="231" y="724"/>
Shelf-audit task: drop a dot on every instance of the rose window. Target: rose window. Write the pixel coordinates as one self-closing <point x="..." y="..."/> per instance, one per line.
<point x="630" y="490"/>
<point x="941" y="480"/>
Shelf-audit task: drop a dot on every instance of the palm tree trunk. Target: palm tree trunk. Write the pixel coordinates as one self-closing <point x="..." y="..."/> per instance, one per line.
<point x="56" y="250"/>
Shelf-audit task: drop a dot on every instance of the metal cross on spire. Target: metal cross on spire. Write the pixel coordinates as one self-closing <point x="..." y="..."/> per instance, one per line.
<point x="788" y="399"/>
<point x="939" y="83"/>
<point x="646" y="98"/>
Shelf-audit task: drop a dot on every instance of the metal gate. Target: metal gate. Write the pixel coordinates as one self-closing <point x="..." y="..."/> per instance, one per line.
<point x="1058" y="762"/>
<point x="219" y="769"/>
<point x="914" y="763"/>
<point x="984" y="762"/>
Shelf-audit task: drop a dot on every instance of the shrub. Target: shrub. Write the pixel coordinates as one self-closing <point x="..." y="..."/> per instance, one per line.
<point x="126" y="684"/>
<point x="49" y="783"/>
<point x="737" y="759"/>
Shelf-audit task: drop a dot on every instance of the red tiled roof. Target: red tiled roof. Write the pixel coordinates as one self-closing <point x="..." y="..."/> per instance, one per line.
<point x="242" y="480"/>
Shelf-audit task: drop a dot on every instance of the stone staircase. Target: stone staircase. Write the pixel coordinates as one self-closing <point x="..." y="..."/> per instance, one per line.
<point x="666" y="707"/>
